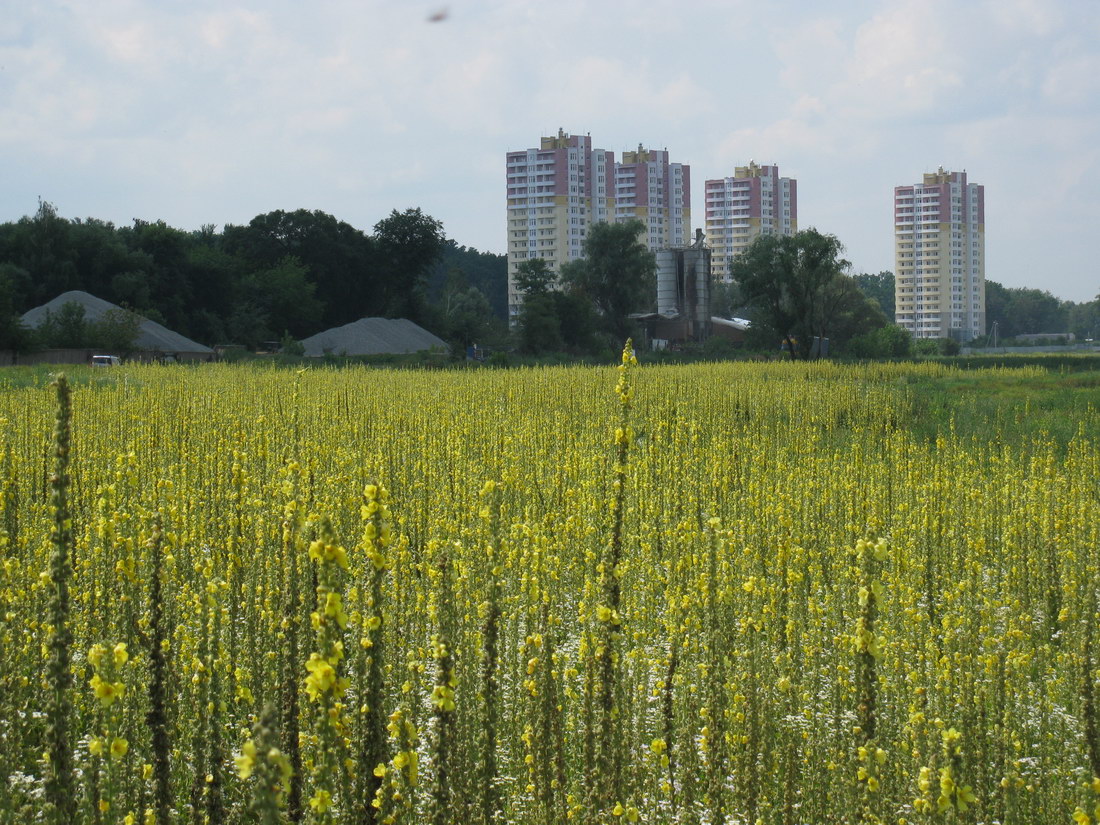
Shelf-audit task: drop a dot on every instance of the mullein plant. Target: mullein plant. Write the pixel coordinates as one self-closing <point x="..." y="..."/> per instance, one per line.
<point x="324" y="684"/>
<point x="107" y="745"/>
<point x="868" y="645"/>
<point x="376" y="543"/>
<point x="158" y="646"/>
<point x="263" y="763"/>
<point x="488" y="785"/>
<point x="609" y="619"/>
<point x="395" y="799"/>
<point x="441" y="792"/>
<point x="1081" y="815"/>
<point x="60" y="788"/>
<point x="290" y="633"/>
<point x="714" y="733"/>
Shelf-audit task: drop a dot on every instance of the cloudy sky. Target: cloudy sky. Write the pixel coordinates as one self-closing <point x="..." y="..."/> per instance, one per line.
<point x="213" y="111"/>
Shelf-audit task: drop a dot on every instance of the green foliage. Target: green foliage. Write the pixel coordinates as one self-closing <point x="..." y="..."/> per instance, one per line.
<point x="116" y="331"/>
<point x="534" y="277"/>
<point x="936" y="346"/>
<point x="487" y="271"/>
<point x="539" y="325"/>
<point x="289" y="345"/>
<point x="890" y="341"/>
<point x="880" y="288"/>
<point x="616" y="274"/>
<point x="408" y="244"/>
<point x="1023" y="311"/>
<point x="798" y="290"/>
<point x="284" y="296"/>
<point x="13" y="334"/>
<point x="725" y="300"/>
<point x="553" y="321"/>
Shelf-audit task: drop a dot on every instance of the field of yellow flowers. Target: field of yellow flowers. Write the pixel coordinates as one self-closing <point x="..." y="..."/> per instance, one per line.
<point x="728" y="593"/>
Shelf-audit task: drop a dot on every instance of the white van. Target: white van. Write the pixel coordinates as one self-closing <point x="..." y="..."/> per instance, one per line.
<point x="106" y="361"/>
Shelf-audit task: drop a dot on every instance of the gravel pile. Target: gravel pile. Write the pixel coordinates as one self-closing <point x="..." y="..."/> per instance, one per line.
<point x="372" y="336"/>
<point x="151" y="335"/>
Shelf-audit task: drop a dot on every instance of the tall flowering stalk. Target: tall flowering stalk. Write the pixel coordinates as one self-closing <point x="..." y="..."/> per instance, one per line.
<point x="262" y="761"/>
<point x="291" y="635"/>
<point x="376" y="541"/>
<point x="324" y="684"/>
<point x="60" y="794"/>
<point x="868" y="648"/>
<point x="443" y="696"/>
<point x="489" y="790"/>
<point x="107" y="745"/>
<point x="157" y="715"/>
<point x="609" y="755"/>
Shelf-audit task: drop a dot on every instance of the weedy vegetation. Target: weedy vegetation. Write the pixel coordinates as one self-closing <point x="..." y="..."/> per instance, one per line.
<point x="716" y="593"/>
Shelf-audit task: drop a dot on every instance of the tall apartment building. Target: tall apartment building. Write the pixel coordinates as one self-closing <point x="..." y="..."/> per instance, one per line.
<point x="557" y="191"/>
<point x="939" y="254"/>
<point x="755" y="201"/>
<point x="656" y="192"/>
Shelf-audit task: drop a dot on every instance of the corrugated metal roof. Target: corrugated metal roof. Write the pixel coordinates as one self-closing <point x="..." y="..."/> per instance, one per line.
<point x="151" y="335"/>
<point x="372" y="336"/>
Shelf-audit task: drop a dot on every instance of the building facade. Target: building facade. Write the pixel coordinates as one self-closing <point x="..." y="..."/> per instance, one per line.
<point x="556" y="192"/>
<point x="755" y="201"/>
<point x="939" y="257"/>
<point x="652" y="189"/>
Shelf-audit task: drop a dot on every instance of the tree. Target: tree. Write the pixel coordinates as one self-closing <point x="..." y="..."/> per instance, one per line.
<point x="790" y="280"/>
<point x="341" y="261"/>
<point x="890" y="341"/>
<point x="285" y="296"/>
<point x="846" y="312"/>
<point x="534" y="277"/>
<point x="617" y="274"/>
<point x="1084" y="319"/>
<point x="880" y="288"/>
<point x="553" y="320"/>
<point x="1023" y="311"/>
<point x="65" y="328"/>
<point x="13" y="334"/>
<point x="408" y="244"/>
<point x="725" y="299"/>
<point x="487" y="271"/>
<point x="116" y="331"/>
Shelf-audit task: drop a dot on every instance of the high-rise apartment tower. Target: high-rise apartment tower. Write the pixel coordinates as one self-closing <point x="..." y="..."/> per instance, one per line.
<point x="656" y="192"/>
<point x="556" y="192"/>
<point x="755" y="201"/>
<point x="939" y="254"/>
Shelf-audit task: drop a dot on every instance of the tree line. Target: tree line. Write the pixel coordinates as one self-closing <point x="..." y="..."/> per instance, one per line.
<point x="283" y="274"/>
<point x="1016" y="310"/>
<point x="288" y="275"/>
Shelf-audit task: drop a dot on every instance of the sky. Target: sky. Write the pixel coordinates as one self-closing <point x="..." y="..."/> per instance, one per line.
<point x="202" y="112"/>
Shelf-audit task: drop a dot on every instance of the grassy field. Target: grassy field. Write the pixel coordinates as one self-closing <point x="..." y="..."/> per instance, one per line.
<point x="778" y="593"/>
